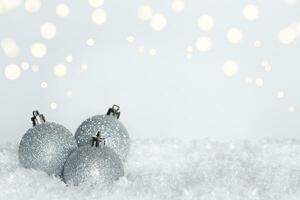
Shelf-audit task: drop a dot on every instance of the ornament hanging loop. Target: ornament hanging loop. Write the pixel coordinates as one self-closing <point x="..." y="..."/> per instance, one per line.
<point x="97" y="140"/>
<point x="114" y="111"/>
<point x="37" y="118"/>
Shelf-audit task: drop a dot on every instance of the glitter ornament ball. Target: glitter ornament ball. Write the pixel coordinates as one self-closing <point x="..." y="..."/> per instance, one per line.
<point x="111" y="128"/>
<point x="46" y="146"/>
<point x="92" y="165"/>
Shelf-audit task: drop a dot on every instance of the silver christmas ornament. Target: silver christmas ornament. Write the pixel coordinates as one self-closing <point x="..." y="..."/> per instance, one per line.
<point x="111" y="128"/>
<point x="93" y="164"/>
<point x="46" y="146"/>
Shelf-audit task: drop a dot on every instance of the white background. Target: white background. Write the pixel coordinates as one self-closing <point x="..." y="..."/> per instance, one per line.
<point x="165" y="95"/>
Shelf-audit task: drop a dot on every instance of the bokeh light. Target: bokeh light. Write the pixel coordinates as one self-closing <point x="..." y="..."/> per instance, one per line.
<point x="69" y="59"/>
<point x="257" y="44"/>
<point x="280" y="94"/>
<point x="250" y="12"/>
<point x="144" y="12"/>
<point x="48" y="30"/>
<point x="60" y="70"/>
<point x="259" y="82"/>
<point x="96" y="3"/>
<point x="298" y="28"/>
<point x="99" y="16"/>
<point x="53" y="105"/>
<point x="130" y="39"/>
<point x="287" y="35"/>
<point x="44" y="84"/>
<point x="178" y="6"/>
<point x="84" y="67"/>
<point x="12" y="72"/>
<point x="268" y="68"/>
<point x="234" y="35"/>
<point x="62" y="10"/>
<point x="69" y="93"/>
<point x="291" y="2"/>
<point x="8" y="5"/>
<point x="203" y="44"/>
<point x="152" y="52"/>
<point x="230" y="68"/>
<point x="9" y="47"/>
<point x="266" y="64"/>
<point x="190" y="49"/>
<point x="205" y="22"/>
<point x="291" y="109"/>
<point x="158" y="22"/>
<point x="90" y="42"/>
<point x="32" y="6"/>
<point x="189" y="56"/>
<point x="25" y="66"/>
<point x="38" y="50"/>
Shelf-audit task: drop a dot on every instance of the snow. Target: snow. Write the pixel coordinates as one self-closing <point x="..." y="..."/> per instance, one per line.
<point x="266" y="169"/>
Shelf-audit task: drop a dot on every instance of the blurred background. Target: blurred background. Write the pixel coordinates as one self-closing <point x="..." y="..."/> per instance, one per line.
<point x="223" y="70"/>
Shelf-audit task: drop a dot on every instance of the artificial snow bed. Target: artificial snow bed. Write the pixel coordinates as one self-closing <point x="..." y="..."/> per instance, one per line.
<point x="266" y="169"/>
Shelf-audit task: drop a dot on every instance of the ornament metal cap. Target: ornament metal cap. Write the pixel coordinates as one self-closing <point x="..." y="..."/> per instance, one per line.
<point x="37" y="118"/>
<point x="114" y="111"/>
<point x="97" y="139"/>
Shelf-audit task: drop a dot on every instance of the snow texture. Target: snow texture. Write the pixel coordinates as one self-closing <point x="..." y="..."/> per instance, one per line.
<point x="172" y="169"/>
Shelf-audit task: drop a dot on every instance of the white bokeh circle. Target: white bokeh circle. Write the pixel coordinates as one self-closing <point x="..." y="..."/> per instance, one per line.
<point x="158" y="22"/>
<point x="99" y="16"/>
<point x="12" y="72"/>
<point x="144" y="12"/>
<point x="259" y="82"/>
<point x="69" y="59"/>
<point x="63" y="10"/>
<point x="38" y="50"/>
<point x="234" y="35"/>
<point x="205" y="22"/>
<point x="32" y="6"/>
<point x="291" y="109"/>
<point x="280" y="94"/>
<point x="96" y="3"/>
<point x="53" y="105"/>
<point x="130" y="38"/>
<point x="25" y="66"/>
<point x="44" y="84"/>
<point x="90" y="42"/>
<point x="10" y="47"/>
<point x="48" y="30"/>
<point x="84" y="67"/>
<point x="178" y="6"/>
<point x="203" y="44"/>
<point x="60" y="70"/>
<point x="230" y="68"/>
<point x="250" y="12"/>
<point x="287" y="35"/>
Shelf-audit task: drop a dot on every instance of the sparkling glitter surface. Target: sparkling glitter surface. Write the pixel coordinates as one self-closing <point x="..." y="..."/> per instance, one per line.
<point x="92" y="165"/>
<point x="114" y="132"/>
<point x="46" y="147"/>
